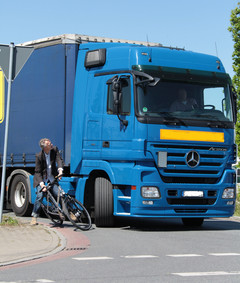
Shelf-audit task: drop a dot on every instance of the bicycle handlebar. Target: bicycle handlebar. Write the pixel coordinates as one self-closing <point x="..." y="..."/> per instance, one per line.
<point x="49" y="184"/>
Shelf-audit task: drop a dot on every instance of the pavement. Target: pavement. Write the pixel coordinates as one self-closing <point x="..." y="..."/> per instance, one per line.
<point x="23" y="242"/>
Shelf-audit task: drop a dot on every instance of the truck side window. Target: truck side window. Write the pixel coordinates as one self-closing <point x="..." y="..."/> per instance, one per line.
<point x="125" y="99"/>
<point x="217" y="98"/>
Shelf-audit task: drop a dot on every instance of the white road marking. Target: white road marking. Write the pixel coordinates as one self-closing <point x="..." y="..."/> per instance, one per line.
<point x="211" y="273"/>
<point x="140" y="256"/>
<point x="224" y="254"/>
<point x="154" y="256"/>
<point x="93" y="258"/>
<point x="185" y="255"/>
<point x="38" y="280"/>
<point x="44" y="281"/>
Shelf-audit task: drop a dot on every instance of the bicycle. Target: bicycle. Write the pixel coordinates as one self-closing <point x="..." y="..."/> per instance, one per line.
<point x="64" y="207"/>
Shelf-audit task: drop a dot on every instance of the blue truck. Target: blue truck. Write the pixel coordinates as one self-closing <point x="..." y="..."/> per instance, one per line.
<point x="112" y="108"/>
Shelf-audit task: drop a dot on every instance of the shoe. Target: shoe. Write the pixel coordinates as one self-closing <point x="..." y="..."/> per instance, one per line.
<point x="72" y="216"/>
<point x="61" y="215"/>
<point x="34" y="221"/>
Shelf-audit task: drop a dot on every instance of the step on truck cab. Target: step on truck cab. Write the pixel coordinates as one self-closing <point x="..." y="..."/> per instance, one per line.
<point x="146" y="131"/>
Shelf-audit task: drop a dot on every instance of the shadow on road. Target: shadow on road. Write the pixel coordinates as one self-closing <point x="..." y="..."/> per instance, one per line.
<point x="174" y="224"/>
<point x="213" y="224"/>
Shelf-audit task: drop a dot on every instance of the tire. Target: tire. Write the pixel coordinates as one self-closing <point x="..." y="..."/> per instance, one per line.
<point x="20" y="196"/>
<point x="51" y="211"/>
<point x="77" y="214"/>
<point x="191" y="222"/>
<point x="103" y="202"/>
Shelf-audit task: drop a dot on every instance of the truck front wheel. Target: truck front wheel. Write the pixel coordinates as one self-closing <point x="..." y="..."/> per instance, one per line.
<point x="103" y="202"/>
<point x="20" y="196"/>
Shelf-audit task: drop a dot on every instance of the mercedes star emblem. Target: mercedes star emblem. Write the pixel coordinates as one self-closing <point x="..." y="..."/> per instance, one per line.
<point x="192" y="159"/>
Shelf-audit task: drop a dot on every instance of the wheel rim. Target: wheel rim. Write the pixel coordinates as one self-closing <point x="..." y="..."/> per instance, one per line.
<point x="20" y="194"/>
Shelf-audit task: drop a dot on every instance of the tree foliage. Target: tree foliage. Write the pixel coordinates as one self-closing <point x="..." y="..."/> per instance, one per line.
<point x="235" y="30"/>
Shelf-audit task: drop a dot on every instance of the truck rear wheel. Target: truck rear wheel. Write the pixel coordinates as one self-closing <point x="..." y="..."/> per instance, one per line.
<point x="20" y="196"/>
<point x="192" y="222"/>
<point x="103" y="199"/>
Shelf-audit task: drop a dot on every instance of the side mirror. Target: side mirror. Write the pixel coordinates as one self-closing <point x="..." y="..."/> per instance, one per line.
<point x="117" y="94"/>
<point x="116" y="83"/>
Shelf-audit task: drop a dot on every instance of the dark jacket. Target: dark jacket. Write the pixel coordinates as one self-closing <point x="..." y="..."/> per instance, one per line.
<point x="41" y="165"/>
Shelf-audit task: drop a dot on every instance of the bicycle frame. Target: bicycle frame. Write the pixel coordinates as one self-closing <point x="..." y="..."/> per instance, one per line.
<point x="49" y="194"/>
<point x="70" y="209"/>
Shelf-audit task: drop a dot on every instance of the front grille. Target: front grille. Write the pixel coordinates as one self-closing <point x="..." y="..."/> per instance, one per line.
<point x="208" y="171"/>
<point x="174" y="193"/>
<point x="190" y="171"/>
<point x="174" y="197"/>
<point x="191" y="201"/>
<point x="212" y="193"/>
<point x="184" y="210"/>
<point x="189" y="180"/>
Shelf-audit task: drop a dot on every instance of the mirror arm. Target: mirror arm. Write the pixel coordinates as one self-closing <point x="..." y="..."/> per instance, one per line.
<point x="124" y="122"/>
<point x="145" y="81"/>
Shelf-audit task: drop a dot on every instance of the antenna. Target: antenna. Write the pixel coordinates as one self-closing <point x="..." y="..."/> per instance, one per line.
<point x="218" y="62"/>
<point x="216" y="48"/>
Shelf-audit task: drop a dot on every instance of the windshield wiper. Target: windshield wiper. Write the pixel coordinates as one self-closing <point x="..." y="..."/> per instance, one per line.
<point x="216" y="124"/>
<point x="169" y="119"/>
<point x="213" y="121"/>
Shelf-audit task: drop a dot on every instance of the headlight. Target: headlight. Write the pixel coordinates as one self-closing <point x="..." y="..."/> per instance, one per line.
<point x="150" y="192"/>
<point x="228" y="193"/>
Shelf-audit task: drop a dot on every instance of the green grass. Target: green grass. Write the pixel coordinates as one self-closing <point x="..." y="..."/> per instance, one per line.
<point x="9" y="221"/>
<point x="237" y="208"/>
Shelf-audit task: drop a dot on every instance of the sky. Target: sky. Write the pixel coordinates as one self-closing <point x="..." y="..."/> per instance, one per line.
<point x="196" y="25"/>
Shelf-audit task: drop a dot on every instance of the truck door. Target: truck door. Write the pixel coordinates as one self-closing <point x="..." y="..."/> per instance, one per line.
<point x="118" y="118"/>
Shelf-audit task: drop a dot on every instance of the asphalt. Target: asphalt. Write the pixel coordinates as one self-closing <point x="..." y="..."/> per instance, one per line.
<point x="23" y="242"/>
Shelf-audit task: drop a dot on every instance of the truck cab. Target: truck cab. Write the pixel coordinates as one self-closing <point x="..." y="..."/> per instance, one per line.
<point x="146" y="156"/>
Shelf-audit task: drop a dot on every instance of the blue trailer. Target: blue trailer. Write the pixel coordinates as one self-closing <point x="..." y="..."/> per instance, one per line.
<point x="129" y="151"/>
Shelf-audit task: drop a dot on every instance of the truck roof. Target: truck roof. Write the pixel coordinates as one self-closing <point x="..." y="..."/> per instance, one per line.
<point x="78" y="38"/>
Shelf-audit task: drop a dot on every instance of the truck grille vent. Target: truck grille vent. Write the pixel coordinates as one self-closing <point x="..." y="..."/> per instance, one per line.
<point x="189" y="180"/>
<point x="180" y="210"/>
<point x="209" y="170"/>
<point x="174" y="193"/>
<point x="191" y="201"/>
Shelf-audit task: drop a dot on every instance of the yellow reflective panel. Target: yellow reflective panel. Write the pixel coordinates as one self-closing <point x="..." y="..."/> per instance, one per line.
<point x="2" y="93"/>
<point x="181" y="135"/>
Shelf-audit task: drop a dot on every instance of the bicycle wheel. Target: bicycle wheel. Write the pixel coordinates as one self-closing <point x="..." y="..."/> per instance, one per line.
<point x="77" y="214"/>
<point x="52" y="212"/>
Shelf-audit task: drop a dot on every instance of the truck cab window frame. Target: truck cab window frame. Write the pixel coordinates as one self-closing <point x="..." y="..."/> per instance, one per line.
<point x="209" y="95"/>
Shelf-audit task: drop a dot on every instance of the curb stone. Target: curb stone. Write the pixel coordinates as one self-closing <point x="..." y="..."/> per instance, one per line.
<point x="58" y="245"/>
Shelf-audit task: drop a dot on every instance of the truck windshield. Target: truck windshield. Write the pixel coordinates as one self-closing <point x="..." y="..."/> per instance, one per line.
<point x="200" y="100"/>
